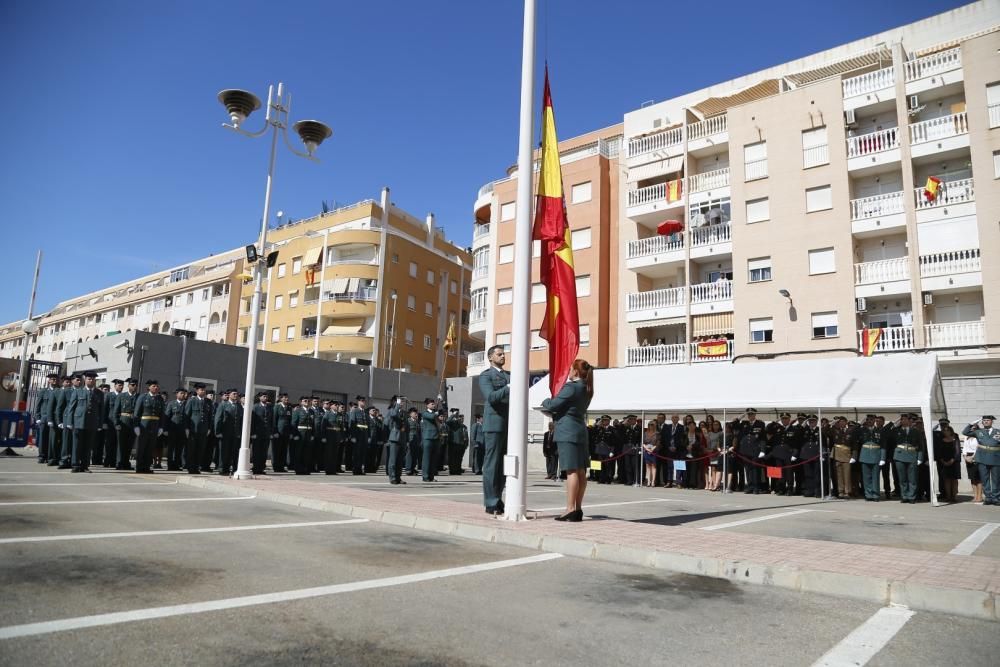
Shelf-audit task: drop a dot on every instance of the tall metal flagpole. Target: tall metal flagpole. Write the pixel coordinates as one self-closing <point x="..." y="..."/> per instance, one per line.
<point x="27" y="335"/>
<point x="516" y="461"/>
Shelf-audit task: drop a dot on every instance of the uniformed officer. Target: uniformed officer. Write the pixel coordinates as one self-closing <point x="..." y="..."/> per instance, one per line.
<point x="358" y="424"/>
<point x="335" y="430"/>
<point x="494" y="384"/>
<point x="458" y="441"/>
<point x="889" y="471"/>
<point x="323" y="443"/>
<point x="177" y="428"/>
<point x="123" y="422"/>
<point x="810" y="455"/>
<point x="227" y="429"/>
<point x="908" y="454"/>
<point x="413" y="452"/>
<point x="86" y="408"/>
<point x="45" y="419"/>
<point x="110" y="433"/>
<point x="604" y="440"/>
<point x="210" y="453"/>
<point x="787" y="441"/>
<point x="282" y="429"/>
<point x="872" y="456"/>
<point x="147" y="417"/>
<point x="66" y="422"/>
<point x="987" y="456"/>
<point x="398" y="440"/>
<point x="478" y="438"/>
<point x="197" y="410"/>
<point x="316" y="412"/>
<point x="429" y="437"/>
<point x="376" y="439"/>
<point x="302" y="440"/>
<point x="844" y="456"/>
<point x="261" y="433"/>
<point x="752" y="439"/>
<point x="631" y="438"/>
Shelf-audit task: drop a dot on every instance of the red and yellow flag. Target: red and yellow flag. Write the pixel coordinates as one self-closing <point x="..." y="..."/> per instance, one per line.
<point x="713" y="348"/>
<point x="869" y="339"/>
<point x="931" y="188"/>
<point x="674" y="190"/>
<point x="561" y="325"/>
<point x="449" y="339"/>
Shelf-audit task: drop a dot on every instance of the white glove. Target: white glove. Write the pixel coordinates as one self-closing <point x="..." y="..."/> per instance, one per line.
<point x="159" y="432"/>
<point x="103" y="426"/>
<point x="354" y="439"/>
<point x="274" y="437"/>
<point x="51" y="424"/>
<point x="187" y="433"/>
<point x="761" y="455"/>
<point x="689" y="456"/>
<point x="881" y="463"/>
<point x="136" y="429"/>
<point x="852" y="460"/>
<point x="37" y="422"/>
<point x="209" y="431"/>
<point x="295" y="437"/>
<point x="118" y="427"/>
<point x="61" y="426"/>
<point x="253" y="437"/>
<point x="323" y="440"/>
<point x="794" y="459"/>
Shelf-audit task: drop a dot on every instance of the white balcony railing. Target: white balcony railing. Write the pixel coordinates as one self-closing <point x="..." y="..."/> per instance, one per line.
<point x="755" y="169"/>
<point x="955" y="334"/>
<point x="697" y="357"/>
<point x="873" y="142"/>
<point x="877" y="205"/>
<point x="709" y="180"/>
<point x="660" y="298"/>
<point x="707" y="127"/>
<point x="936" y="63"/>
<point x="950" y="262"/>
<point x="882" y="271"/>
<point x="648" y="194"/>
<point x="476" y="358"/>
<point x="480" y="230"/>
<point x="655" y="142"/>
<point x="480" y="272"/>
<point x="720" y="290"/>
<point x="486" y="189"/>
<point x="654" y="246"/>
<point x="679" y="353"/>
<point x="815" y="156"/>
<point x="869" y="82"/>
<point x="363" y="294"/>
<point x="950" y="193"/>
<point x="936" y="129"/>
<point x="993" y="111"/>
<point x="710" y="235"/>
<point x="891" y="340"/>
<point x="477" y="315"/>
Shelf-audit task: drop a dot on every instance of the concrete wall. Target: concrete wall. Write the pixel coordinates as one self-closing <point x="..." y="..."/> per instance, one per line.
<point x="971" y="390"/>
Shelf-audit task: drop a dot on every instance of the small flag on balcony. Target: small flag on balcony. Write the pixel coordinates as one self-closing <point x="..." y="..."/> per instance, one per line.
<point x="668" y="227"/>
<point x="449" y="339"/>
<point x="932" y="188"/>
<point x="674" y="190"/>
<point x="869" y="339"/>
<point x="310" y="276"/>
<point x="713" y="348"/>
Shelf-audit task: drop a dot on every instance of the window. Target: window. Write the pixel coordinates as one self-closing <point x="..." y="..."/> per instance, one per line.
<point x="427" y="342"/>
<point x="581" y="239"/>
<point x="430" y="277"/>
<point x="293" y="299"/>
<point x="158" y="305"/>
<point x="281" y="270"/>
<point x="275" y="335"/>
<point x="584" y="335"/>
<point x="413" y="269"/>
<point x="408" y="336"/>
<point x="505" y="296"/>
<point x="187" y="323"/>
<point x="821" y="261"/>
<point x="537" y="293"/>
<point x="582" y="286"/>
<point x="506" y="254"/>
<point x="993" y="103"/>
<point x="755" y="160"/>
<point x="996" y="161"/>
<point x="429" y="309"/>
<point x="279" y="301"/>
<point x="202" y="321"/>
<point x="815" y="150"/>
<point x="296" y="264"/>
<point x="537" y="342"/>
<point x="180" y="274"/>
<point x="758" y="210"/>
<point x="761" y="330"/>
<point x="204" y="294"/>
<point x="411" y="302"/>
<point x="818" y="199"/>
<point x="395" y="258"/>
<point x="824" y="325"/>
<point x="581" y="193"/>
<point x="760" y="269"/>
<point x="190" y="298"/>
<point x="714" y="212"/>
<point x="504" y="340"/>
<point x="507" y="211"/>
<point x="290" y="332"/>
<point x="453" y="287"/>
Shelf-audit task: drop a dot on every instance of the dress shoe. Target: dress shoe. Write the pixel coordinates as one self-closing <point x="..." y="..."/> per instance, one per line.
<point x="65" y="466"/>
<point x="77" y="470"/>
<point x="53" y="463"/>
<point x="394" y="481"/>
<point x="400" y="481"/>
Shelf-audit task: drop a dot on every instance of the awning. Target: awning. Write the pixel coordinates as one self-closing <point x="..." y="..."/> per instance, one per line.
<point x="352" y="285"/>
<point x="339" y="285"/>
<point x="345" y="327"/>
<point x="711" y="323"/>
<point x="654" y="169"/>
<point x="881" y="54"/>
<point x="312" y="256"/>
<point x="663" y="322"/>
<point x="717" y="105"/>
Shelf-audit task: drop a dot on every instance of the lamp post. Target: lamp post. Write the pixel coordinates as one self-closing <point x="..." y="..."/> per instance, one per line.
<point x="29" y="327"/>
<point x="240" y="104"/>
<point x="392" y="329"/>
<point x="322" y="277"/>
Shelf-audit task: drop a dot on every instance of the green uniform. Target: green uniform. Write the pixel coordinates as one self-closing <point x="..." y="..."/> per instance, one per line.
<point x="494" y="383"/>
<point x="332" y="427"/>
<point x="65" y="425"/>
<point x="175" y="422"/>
<point x="86" y="407"/>
<point x="359" y="427"/>
<point x="397" y="443"/>
<point x="283" y="429"/>
<point x="148" y="419"/>
<point x="124" y="423"/>
<point x="45" y="421"/>
<point x="199" y="415"/>
<point x="429" y="441"/>
<point x="872" y="457"/>
<point x="988" y="459"/>
<point x="907" y="456"/>
<point x="302" y="440"/>
<point x="227" y="428"/>
<point x="458" y="442"/>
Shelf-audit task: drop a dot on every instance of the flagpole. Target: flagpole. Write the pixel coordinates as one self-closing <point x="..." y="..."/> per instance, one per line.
<point x="516" y="461"/>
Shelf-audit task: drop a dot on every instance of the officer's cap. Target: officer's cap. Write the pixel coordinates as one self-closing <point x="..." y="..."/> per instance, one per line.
<point x="906" y="415"/>
<point x="428" y="401"/>
<point x="840" y="418"/>
<point x="631" y="417"/>
<point x="454" y="410"/>
<point x="772" y="428"/>
<point x="786" y="415"/>
<point x="870" y="417"/>
<point x="303" y="398"/>
<point x="131" y="381"/>
<point x="413" y="411"/>
<point x="812" y="418"/>
<point x="53" y="375"/>
<point x="117" y="381"/>
<point x="914" y="415"/>
<point x="801" y="415"/>
<point x="180" y="390"/>
<point x="751" y="411"/>
<point x="76" y="376"/>
<point x="150" y="383"/>
<point x="199" y="385"/>
<point x="104" y="386"/>
<point x="479" y="415"/>
<point x="988" y="417"/>
<point x="603" y="417"/>
<point x="359" y="398"/>
<point x="944" y="421"/>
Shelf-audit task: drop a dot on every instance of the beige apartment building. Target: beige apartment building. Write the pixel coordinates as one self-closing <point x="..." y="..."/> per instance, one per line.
<point x="367" y="284"/>
<point x="590" y="171"/>
<point x="198" y="297"/>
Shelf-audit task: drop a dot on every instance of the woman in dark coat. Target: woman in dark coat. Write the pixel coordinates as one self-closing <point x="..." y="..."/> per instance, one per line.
<point x="569" y="411"/>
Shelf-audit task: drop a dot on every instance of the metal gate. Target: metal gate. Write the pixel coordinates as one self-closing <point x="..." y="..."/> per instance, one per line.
<point x="38" y="372"/>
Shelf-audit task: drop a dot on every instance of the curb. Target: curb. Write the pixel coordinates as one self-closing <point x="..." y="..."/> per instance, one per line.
<point x="978" y="604"/>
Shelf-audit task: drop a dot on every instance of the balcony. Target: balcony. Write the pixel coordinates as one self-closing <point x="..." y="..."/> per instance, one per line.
<point x="655" y="254"/>
<point x="649" y="203"/>
<point x="480" y="272"/>
<point x="936" y="69"/>
<point x="955" y="334"/>
<point x="954" y="198"/>
<point x="711" y="241"/>
<point x="950" y="270"/>
<point x="477" y="315"/>
<point x="680" y="353"/>
<point x="711" y="297"/>
<point x="877" y="213"/>
<point x="656" y="304"/>
<point x="755" y="170"/>
<point x="884" y="276"/>
<point x="480" y="233"/>
<point x="708" y="181"/>
<point x="707" y="135"/>
<point x="655" y="146"/>
<point x="945" y="133"/>
<point x="873" y="149"/>
<point x="869" y="88"/>
<point x="893" y="339"/>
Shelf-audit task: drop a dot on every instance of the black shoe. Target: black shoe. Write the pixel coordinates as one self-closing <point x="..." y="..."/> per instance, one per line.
<point x="53" y="463"/>
<point x="43" y="461"/>
<point x="394" y="481"/>
<point x="494" y="511"/>
<point x="77" y="470"/>
<point x="65" y="466"/>
<point x="400" y="481"/>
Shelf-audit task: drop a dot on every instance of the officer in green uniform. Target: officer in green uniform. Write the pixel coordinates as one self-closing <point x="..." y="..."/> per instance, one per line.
<point x="283" y="431"/>
<point x="110" y="435"/>
<point x="211" y="452"/>
<point x="175" y="423"/>
<point x="987" y="456"/>
<point x="86" y="408"/>
<point x="58" y="407"/>
<point x="413" y="437"/>
<point x="330" y="434"/>
<point x="872" y="457"/>
<point x="359" y="427"/>
<point x="907" y="455"/>
<point x="147" y="419"/>
<point x="121" y="418"/>
<point x="45" y="406"/>
<point x="376" y="440"/>
<point x="261" y="432"/>
<point x="478" y="437"/>
<point x="316" y="412"/>
<point x="396" y="421"/>
<point x="458" y="441"/>
<point x="66" y="422"/>
<point x="494" y="384"/>
<point x="844" y="455"/>
<point x="227" y="430"/>
<point x="302" y="438"/>
<point x="429" y="439"/>
<point x="197" y="410"/>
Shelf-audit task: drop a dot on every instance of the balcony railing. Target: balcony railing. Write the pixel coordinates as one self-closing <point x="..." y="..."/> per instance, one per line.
<point x="480" y="231"/>
<point x="815" y="156"/>
<point x="882" y="271"/>
<point x="650" y="193"/>
<point x="477" y="315"/>
<point x="707" y="127"/>
<point x="654" y="246"/>
<point x="869" y="82"/>
<point x="877" y="205"/>
<point x="710" y="235"/>
<point x="993" y="111"/>
<point x="679" y="353"/>
<point x="951" y="262"/>
<point x="720" y="290"/>
<point x="936" y="129"/>
<point x="480" y="272"/>
<point x="892" y="339"/>
<point x="936" y="63"/>
<point x="950" y="193"/>
<point x="655" y="142"/>
<point x="755" y="169"/>
<point x="709" y="180"/>
<point x="873" y="142"/>
<point x="363" y="294"/>
<point x="660" y="298"/>
<point x="486" y="189"/>
<point x="955" y="334"/>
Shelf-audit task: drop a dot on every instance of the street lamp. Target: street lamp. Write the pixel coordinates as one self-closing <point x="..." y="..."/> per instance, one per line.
<point x="322" y="276"/>
<point x="392" y="328"/>
<point x="240" y="104"/>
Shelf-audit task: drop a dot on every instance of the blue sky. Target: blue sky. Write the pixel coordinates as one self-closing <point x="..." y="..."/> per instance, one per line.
<point x="114" y="162"/>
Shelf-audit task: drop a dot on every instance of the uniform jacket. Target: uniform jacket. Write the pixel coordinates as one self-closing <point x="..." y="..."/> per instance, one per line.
<point x="872" y="444"/>
<point x="121" y="413"/>
<point x="478" y="435"/>
<point x="87" y="408"/>
<point x="282" y="419"/>
<point x="413" y="430"/>
<point x="397" y="424"/>
<point x="302" y="422"/>
<point x="262" y="420"/>
<point x="199" y="414"/>
<point x="988" y="451"/>
<point x="62" y="406"/>
<point x="359" y="425"/>
<point x="429" y="426"/>
<point x="175" y="419"/>
<point x="495" y="387"/>
<point x="569" y="412"/>
<point x="45" y="408"/>
<point x="670" y="438"/>
<point x="910" y="445"/>
<point x="148" y="405"/>
<point x="225" y="420"/>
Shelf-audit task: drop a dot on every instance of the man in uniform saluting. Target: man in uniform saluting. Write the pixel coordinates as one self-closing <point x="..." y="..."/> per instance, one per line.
<point x="87" y="409"/>
<point x="198" y="412"/>
<point x="908" y="454"/>
<point x="413" y="453"/>
<point x="429" y="439"/>
<point x="872" y="457"/>
<point x="261" y="430"/>
<point x="397" y="440"/>
<point x="147" y="416"/>
<point x="987" y="457"/>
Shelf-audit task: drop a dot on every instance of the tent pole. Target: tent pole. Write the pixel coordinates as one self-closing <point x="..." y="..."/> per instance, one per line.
<point x="819" y="423"/>
<point x="642" y="436"/>
<point x="725" y="455"/>
<point x="929" y="438"/>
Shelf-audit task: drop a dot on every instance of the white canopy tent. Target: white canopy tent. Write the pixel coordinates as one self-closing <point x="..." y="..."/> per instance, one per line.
<point x="887" y="384"/>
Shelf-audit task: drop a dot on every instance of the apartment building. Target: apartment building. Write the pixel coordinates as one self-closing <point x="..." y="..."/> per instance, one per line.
<point x="855" y="188"/>
<point x="590" y="171"/>
<point x="367" y="284"/>
<point x="198" y="297"/>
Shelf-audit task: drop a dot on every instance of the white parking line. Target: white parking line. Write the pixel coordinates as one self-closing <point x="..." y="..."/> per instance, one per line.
<point x="867" y="639"/>
<point x="174" y="483"/>
<point x="182" y="531"/>
<point x="630" y="502"/>
<point x="62" y="625"/>
<point x="968" y="546"/>
<point x="385" y="482"/>
<point x="743" y="522"/>
<point x="472" y="493"/>
<point x="133" y="500"/>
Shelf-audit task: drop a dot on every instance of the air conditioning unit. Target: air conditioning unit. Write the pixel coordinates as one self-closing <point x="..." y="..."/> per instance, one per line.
<point x="860" y="305"/>
<point x="928" y="299"/>
<point x="850" y="118"/>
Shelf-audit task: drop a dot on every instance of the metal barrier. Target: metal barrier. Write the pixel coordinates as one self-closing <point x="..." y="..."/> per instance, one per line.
<point x="15" y="430"/>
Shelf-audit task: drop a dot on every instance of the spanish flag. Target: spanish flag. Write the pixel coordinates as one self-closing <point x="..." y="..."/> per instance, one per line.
<point x="675" y="190"/>
<point x="561" y="325"/>
<point x="449" y="339"/>
<point x="931" y="188"/>
<point x="869" y="339"/>
<point x="713" y="348"/>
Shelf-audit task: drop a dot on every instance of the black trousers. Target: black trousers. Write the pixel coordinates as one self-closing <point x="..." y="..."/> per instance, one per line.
<point x="359" y="450"/>
<point x="756" y="480"/>
<point x="793" y="479"/>
<point x="395" y="461"/>
<point x="413" y="455"/>
<point x="477" y="458"/>
<point x="144" y="444"/>
<point x="374" y="456"/>
<point x="84" y="442"/>
<point x="428" y="464"/>
<point x="46" y="438"/>
<point x="279" y="452"/>
<point x="66" y="455"/>
<point x="332" y="454"/>
<point x="551" y="465"/>
<point x="302" y="453"/>
<point x="126" y="440"/>
<point x="456" y="452"/>
<point x="228" y="445"/>
<point x="258" y="452"/>
<point x="176" y="442"/>
<point x="195" y="451"/>
<point x="885" y="477"/>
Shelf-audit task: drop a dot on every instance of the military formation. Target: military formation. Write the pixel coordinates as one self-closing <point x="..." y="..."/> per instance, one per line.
<point x="79" y="425"/>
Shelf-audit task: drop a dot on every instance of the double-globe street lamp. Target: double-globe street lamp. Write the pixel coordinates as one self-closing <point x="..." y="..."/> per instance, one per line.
<point x="240" y="104"/>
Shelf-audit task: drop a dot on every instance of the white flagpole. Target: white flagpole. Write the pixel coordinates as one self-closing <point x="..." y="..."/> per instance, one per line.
<point x="516" y="461"/>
